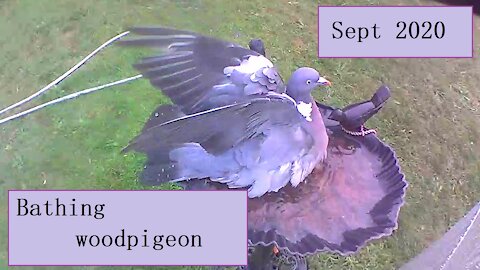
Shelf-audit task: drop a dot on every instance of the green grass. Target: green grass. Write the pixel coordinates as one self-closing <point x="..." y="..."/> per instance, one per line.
<point x="432" y="119"/>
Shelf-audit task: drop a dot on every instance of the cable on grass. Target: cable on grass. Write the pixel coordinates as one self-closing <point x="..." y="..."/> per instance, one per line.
<point x="67" y="97"/>
<point x="65" y="75"/>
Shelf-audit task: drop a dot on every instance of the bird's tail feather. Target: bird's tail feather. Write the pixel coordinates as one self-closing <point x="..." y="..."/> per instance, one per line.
<point x="187" y="161"/>
<point x="158" y="173"/>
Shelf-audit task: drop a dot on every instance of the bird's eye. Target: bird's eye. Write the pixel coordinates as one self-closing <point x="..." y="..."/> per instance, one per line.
<point x="309" y="82"/>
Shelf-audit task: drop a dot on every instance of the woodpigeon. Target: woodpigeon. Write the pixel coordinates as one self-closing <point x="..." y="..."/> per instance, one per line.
<point x="233" y="121"/>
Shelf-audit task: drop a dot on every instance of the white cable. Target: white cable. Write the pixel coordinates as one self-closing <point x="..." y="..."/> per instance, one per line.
<point x="66" y="74"/>
<point x="67" y="97"/>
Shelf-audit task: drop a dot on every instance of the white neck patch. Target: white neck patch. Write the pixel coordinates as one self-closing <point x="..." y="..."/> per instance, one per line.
<point x="305" y="109"/>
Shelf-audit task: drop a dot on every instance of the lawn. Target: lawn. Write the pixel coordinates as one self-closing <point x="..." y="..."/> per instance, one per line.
<point x="432" y="119"/>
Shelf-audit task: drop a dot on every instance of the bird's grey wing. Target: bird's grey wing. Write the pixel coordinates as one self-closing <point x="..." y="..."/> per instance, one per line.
<point x="162" y="114"/>
<point x="199" y="73"/>
<point x="263" y="143"/>
<point x="220" y="129"/>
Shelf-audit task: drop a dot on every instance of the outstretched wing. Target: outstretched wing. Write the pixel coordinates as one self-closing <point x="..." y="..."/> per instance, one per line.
<point x="240" y="145"/>
<point x="199" y="73"/>
<point x="220" y="129"/>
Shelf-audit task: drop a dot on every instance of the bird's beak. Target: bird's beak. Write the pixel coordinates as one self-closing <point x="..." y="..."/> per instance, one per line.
<point x="324" y="82"/>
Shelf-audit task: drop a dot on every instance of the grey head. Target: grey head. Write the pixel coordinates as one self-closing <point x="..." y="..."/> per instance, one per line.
<point x="302" y="82"/>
